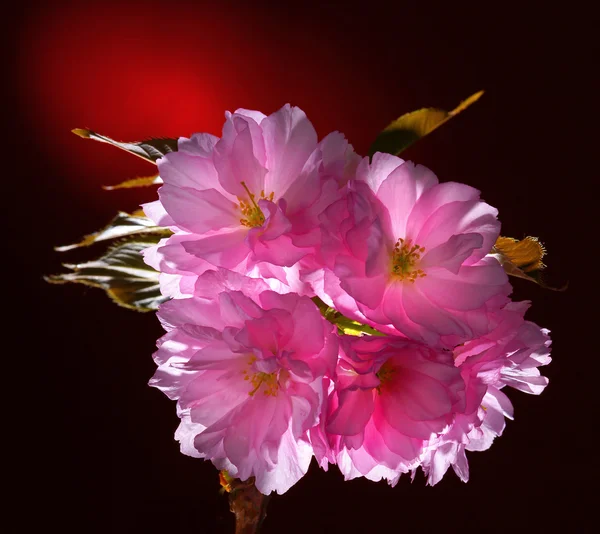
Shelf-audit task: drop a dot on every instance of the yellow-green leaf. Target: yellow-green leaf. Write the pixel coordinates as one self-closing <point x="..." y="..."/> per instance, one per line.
<point x="150" y="150"/>
<point x="143" y="181"/>
<point x="122" y="273"/>
<point x="123" y="225"/>
<point x="407" y="129"/>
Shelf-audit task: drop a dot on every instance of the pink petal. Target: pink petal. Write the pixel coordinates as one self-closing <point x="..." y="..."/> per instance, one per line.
<point x="416" y="395"/>
<point x="280" y="251"/>
<point x="405" y="425"/>
<point x="400" y="191"/>
<point x="223" y="250"/>
<point x="212" y="398"/>
<point x="404" y="446"/>
<point x="181" y="169"/>
<point x="354" y="410"/>
<point x="368" y="291"/>
<point x="373" y="173"/>
<point x="289" y="140"/>
<point x="456" y="218"/>
<point x="467" y="290"/>
<point x="257" y="116"/>
<point x="433" y="199"/>
<point x="186" y="311"/>
<point x="419" y="309"/>
<point x="218" y="356"/>
<point x="174" y="259"/>
<point x="451" y="254"/>
<point x="239" y="157"/>
<point x="338" y="158"/>
<point x="199" y="211"/>
<point x="200" y="144"/>
<point x="392" y="311"/>
<point x="236" y="308"/>
<point x="156" y="212"/>
<point x="303" y="192"/>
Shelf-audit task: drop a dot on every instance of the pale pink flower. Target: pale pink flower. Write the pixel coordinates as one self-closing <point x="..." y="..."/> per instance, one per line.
<point x="508" y="356"/>
<point x="246" y="365"/>
<point x="407" y="253"/>
<point x="391" y="396"/>
<point x="249" y="201"/>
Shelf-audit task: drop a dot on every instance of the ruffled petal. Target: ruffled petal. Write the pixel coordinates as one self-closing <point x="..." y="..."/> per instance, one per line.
<point x="199" y="211"/>
<point x="401" y="190"/>
<point x="290" y="139"/>
<point x="222" y="250"/>
<point x="239" y="156"/>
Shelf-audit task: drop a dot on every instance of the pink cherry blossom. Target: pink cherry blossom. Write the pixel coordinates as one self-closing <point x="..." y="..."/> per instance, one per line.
<point x="246" y="365"/>
<point x="249" y="201"/>
<point x="407" y="253"/>
<point x="508" y="356"/>
<point x="391" y="396"/>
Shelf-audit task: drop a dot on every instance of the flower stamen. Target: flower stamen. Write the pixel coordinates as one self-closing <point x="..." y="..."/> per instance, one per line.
<point x="253" y="215"/>
<point x="270" y="380"/>
<point x="385" y="373"/>
<point x="404" y="259"/>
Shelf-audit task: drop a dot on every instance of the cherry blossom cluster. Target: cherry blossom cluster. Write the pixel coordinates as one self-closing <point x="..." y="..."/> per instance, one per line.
<point x="331" y="306"/>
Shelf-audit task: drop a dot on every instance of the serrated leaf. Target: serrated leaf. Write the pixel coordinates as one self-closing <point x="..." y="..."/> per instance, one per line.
<point x="407" y="129"/>
<point x="122" y="273"/>
<point x="526" y="254"/>
<point x="123" y="225"/>
<point x="143" y="181"/>
<point x="150" y="150"/>
<point x="522" y="259"/>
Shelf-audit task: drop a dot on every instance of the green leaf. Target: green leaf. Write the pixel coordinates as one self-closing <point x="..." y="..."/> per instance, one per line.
<point x="123" y="225"/>
<point x="150" y="150"/>
<point x="407" y="129"/>
<point x="344" y="325"/>
<point x="522" y="259"/>
<point x="122" y="273"/>
<point x="143" y="181"/>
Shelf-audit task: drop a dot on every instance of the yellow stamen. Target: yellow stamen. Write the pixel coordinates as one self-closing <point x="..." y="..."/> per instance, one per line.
<point x="404" y="260"/>
<point x="270" y="380"/>
<point x="253" y="215"/>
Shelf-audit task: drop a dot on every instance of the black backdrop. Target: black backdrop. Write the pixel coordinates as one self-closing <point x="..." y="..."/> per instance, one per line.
<point x="99" y="453"/>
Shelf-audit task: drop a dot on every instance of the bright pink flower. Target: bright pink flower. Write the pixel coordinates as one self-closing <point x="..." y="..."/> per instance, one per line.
<point x="251" y="199"/>
<point x="508" y="356"/>
<point x="409" y="253"/>
<point x="246" y="365"/>
<point x="390" y="397"/>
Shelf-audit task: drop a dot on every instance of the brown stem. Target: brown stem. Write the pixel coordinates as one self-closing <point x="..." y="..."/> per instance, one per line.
<point x="247" y="504"/>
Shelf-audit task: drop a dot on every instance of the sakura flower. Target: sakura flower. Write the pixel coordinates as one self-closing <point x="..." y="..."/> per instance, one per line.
<point x="246" y="366"/>
<point x="391" y="396"/>
<point x="407" y="253"/>
<point x="509" y="356"/>
<point x="251" y="199"/>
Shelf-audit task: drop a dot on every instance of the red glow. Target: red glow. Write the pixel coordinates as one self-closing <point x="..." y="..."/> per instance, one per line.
<point x="133" y="71"/>
<point x="122" y="72"/>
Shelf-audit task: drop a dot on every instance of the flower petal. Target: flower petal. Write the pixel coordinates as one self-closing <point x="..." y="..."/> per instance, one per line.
<point x="199" y="211"/>
<point x="354" y="410"/>
<point x="290" y="139"/>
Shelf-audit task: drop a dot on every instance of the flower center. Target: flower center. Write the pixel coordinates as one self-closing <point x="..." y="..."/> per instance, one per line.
<point x="270" y="381"/>
<point x="252" y="214"/>
<point x="385" y="373"/>
<point x="404" y="260"/>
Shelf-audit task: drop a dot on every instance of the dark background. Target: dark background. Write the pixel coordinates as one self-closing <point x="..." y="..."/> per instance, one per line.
<point x="93" y="444"/>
